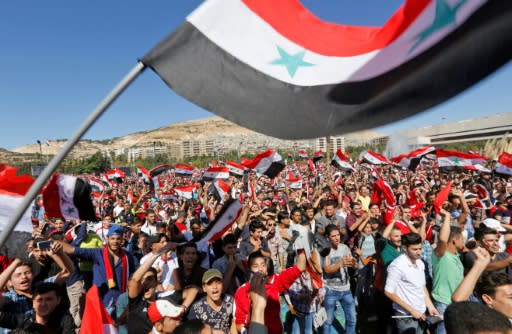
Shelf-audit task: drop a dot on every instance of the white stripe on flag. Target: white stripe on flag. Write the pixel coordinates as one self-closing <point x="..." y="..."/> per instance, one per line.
<point x="66" y="185"/>
<point x="9" y="203"/>
<point x="325" y="69"/>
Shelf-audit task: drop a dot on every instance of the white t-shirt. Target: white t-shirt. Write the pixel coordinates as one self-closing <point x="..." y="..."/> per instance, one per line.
<point x="407" y="281"/>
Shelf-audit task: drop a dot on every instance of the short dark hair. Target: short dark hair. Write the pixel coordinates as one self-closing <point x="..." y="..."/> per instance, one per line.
<point x="282" y="215"/>
<point x="229" y="239"/>
<point x="268" y="261"/>
<point x="491" y="280"/>
<point x="43" y="288"/>
<point x="296" y="210"/>
<point x="410" y="239"/>
<point x="193" y="326"/>
<point x="472" y="318"/>
<point x="256" y="224"/>
<point x="329" y="228"/>
<point x="484" y="230"/>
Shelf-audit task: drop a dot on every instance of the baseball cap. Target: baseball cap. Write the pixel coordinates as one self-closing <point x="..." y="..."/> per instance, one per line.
<point x="163" y="308"/>
<point x="493" y="223"/>
<point x="115" y="230"/>
<point x="211" y="274"/>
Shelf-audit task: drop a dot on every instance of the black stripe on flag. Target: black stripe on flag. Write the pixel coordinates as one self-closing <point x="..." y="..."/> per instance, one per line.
<point x="83" y="202"/>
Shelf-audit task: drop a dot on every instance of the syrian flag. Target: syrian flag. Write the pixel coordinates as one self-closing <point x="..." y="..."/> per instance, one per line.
<point x="12" y="190"/>
<point x="157" y="170"/>
<point x="68" y="197"/>
<point x="303" y="154"/>
<point x="341" y="161"/>
<point x="221" y="189"/>
<point x="412" y="159"/>
<point x="235" y="168"/>
<point x="144" y="173"/>
<point x="96" y="184"/>
<point x="115" y="174"/>
<point x="183" y="170"/>
<point x="185" y="191"/>
<point x="294" y="182"/>
<point x="355" y="77"/>
<point x="96" y="319"/>
<point x="317" y="156"/>
<point x="382" y="191"/>
<point x="225" y="219"/>
<point x="268" y="163"/>
<point x="442" y="196"/>
<point x="374" y="158"/>
<point x="504" y="164"/>
<point x="449" y="160"/>
<point x="213" y="173"/>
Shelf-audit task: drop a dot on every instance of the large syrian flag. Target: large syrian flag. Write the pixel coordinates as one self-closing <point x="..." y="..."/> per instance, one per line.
<point x="504" y="164"/>
<point x="12" y="190"/>
<point x="213" y="173"/>
<point x="68" y="197"/>
<point x="340" y="160"/>
<point x="354" y="77"/>
<point x="450" y="160"/>
<point x="268" y="163"/>
<point x="374" y="158"/>
<point x="412" y="159"/>
<point x="183" y="170"/>
<point x="96" y="319"/>
<point x="235" y="168"/>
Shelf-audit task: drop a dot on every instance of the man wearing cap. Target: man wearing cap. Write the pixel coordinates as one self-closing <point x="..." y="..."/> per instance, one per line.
<point x="216" y="308"/>
<point x="112" y="266"/>
<point x="165" y="316"/>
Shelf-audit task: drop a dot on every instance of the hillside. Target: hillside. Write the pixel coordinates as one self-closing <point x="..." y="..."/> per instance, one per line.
<point x="202" y="129"/>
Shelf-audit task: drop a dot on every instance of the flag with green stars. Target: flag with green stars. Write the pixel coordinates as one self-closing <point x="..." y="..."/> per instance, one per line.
<point x="274" y="67"/>
<point x="449" y="160"/>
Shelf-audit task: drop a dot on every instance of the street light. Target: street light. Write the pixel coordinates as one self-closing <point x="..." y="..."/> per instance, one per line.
<point x="40" y="150"/>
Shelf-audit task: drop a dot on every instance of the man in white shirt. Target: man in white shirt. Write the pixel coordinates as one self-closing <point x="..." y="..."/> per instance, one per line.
<point x="149" y="226"/>
<point x="406" y="287"/>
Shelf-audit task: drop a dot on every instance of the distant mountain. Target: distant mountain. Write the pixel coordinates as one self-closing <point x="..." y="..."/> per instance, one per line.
<point x="201" y="129"/>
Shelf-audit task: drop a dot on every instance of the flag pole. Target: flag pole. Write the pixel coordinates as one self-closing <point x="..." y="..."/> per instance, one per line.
<point x="55" y="162"/>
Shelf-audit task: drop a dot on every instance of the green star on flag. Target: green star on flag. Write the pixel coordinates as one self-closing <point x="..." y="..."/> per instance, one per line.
<point x="445" y="16"/>
<point x="70" y="210"/>
<point x="291" y="62"/>
<point x="457" y="161"/>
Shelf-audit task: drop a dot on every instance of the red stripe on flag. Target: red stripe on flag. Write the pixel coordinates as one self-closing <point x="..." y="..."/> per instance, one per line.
<point x="295" y="22"/>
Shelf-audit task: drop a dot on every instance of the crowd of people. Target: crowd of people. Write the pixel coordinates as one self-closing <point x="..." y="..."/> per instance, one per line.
<point x="374" y="249"/>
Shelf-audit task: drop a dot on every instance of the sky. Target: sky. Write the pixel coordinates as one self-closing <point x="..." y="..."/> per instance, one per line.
<point x="59" y="59"/>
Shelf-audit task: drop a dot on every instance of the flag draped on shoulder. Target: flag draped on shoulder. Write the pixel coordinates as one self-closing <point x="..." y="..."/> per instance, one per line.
<point x="12" y="190"/>
<point x="96" y="319"/>
<point x="504" y="164"/>
<point x="354" y="77"/>
<point x="340" y="160"/>
<point x="68" y="197"/>
<point x="412" y="159"/>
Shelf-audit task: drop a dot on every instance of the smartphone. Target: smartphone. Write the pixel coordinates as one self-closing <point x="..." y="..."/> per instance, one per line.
<point x="42" y="245"/>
